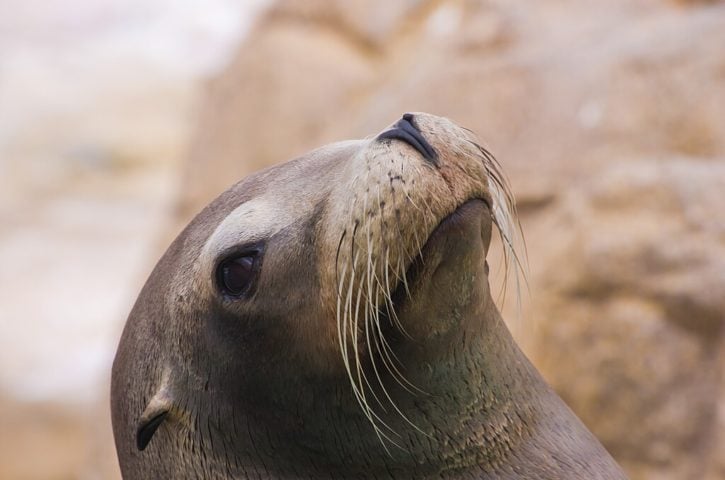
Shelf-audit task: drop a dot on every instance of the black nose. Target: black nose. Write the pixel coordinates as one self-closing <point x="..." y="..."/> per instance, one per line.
<point x="405" y="130"/>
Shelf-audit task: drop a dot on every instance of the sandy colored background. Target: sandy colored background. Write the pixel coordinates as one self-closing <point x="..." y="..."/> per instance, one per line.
<point x="118" y="121"/>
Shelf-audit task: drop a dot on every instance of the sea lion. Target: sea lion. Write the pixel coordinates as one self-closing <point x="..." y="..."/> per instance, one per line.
<point x="331" y="317"/>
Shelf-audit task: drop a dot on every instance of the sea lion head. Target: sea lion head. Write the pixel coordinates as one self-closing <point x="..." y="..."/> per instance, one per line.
<point x="331" y="315"/>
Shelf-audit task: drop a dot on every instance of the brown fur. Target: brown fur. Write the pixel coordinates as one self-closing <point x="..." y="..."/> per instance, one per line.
<point x="371" y="347"/>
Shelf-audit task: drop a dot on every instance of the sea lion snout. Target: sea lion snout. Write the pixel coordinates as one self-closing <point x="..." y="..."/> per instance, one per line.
<point x="406" y="130"/>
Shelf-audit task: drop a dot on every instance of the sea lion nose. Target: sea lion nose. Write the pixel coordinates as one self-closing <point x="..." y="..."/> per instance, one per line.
<point x="406" y="130"/>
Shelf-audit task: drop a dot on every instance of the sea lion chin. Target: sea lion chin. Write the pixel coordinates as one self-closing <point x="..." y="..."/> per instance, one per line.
<point x="331" y="317"/>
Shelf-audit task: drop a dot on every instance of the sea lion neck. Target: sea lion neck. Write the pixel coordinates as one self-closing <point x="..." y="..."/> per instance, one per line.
<point x="480" y="390"/>
<point x="477" y="407"/>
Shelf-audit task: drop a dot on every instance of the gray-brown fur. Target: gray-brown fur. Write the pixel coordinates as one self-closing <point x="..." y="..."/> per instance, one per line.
<point x="270" y="386"/>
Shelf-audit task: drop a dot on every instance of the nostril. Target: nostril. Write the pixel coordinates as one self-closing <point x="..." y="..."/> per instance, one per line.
<point x="405" y="130"/>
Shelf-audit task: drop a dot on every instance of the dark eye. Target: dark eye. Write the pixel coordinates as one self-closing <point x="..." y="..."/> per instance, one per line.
<point x="236" y="275"/>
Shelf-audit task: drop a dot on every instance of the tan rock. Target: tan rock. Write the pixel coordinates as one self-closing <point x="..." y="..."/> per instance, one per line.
<point x="628" y="309"/>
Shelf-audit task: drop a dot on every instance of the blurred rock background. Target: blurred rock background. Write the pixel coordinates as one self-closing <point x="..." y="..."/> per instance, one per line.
<point x="609" y="118"/>
<point x="97" y="101"/>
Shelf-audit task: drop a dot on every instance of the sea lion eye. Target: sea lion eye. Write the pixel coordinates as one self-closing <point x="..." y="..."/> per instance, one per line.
<point x="236" y="274"/>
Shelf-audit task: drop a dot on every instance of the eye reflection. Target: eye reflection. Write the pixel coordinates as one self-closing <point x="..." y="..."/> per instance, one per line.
<point x="235" y="275"/>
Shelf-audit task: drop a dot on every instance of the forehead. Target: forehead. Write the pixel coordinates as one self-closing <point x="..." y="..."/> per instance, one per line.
<point x="254" y="220"/>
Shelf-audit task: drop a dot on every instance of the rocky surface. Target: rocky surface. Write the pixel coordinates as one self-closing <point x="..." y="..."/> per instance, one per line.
<point x="608" y="117"/>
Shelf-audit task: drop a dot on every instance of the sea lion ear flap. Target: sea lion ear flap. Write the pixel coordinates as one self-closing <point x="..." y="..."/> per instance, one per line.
<point x="153" y="416"/>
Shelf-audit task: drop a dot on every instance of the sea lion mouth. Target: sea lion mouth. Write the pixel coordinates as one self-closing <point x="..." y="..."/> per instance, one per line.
<point x="406" y="130"/>
<point x="453" y="232"/>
